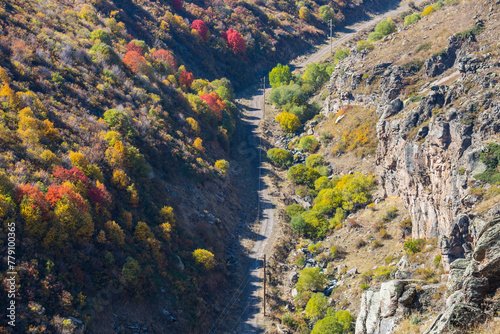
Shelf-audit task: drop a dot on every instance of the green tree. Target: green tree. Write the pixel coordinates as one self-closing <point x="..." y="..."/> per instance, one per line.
<point x="316" y="306"/>
<point x="287" y="95"/>
<point x="326" y="13"/>
<point x="294" y="209"/>
<point x="410" y="19"/>
<point x="316" y="74"/>
<point x="280" y="157"/>
<point x="311" y="279"/>
<point x="339" y="322"/>
<point x="301" y="174"/>
<point x="280" y="75"/>
<point x="131" y="271"/>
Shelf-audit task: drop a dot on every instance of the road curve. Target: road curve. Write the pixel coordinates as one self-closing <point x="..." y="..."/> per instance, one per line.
<point x="252" y="314"/>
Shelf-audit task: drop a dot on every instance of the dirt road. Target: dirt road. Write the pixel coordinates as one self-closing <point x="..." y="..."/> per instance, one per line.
<point x="251" y="320"/>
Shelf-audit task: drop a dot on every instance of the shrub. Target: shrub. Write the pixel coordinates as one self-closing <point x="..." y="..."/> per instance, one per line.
<point x="222" y="165"/>
<point x="410" y="19"/>
<point x="279" y="157"/>
<point x="339" y="322"/>
<point x="360" y="243"/>
<point x="391" y="214"/>
<point x="413" y="246"/>
<point x="301" y="261"/>
<point x="428" y="10"/>
<point x="491" y="158"/>
<point x="364" y="286"/>
<point x="424" y="47"/>
<point x="289" y="122"/>
<point x="375" y="36"/>
<point x="322" y="183"/>
<point x="294" y="209"/>
<point x="326" y="13"/>
<point x="301" y="174"/>
<point x="101" y="35"/>
<point x="317" y="74"/>
<point x="311" y="279"/>
<point x="304" y="14"/>
<point x="316" y="306"/>
<point x="316" y="224"/>
<point x="308" y="144"/>
<point x="315" y="248"/>
<point x="287" y="94"/>
<point x="438" y="5"/>
<point x="383" y="273"/>
<point x="341" y="54"/>
<point x="204" y="258"/>
<point x="385" y="27"/>
<point x="315" y="160"/>
<point x="280" y="75"/>
<point x="364" y="45"/>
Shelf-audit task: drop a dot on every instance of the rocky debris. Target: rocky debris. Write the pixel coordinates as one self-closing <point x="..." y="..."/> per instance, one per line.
<point x="457" y="243"/>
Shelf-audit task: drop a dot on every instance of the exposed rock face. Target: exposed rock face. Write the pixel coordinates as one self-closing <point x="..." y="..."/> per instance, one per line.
<point x="472" y="279"/>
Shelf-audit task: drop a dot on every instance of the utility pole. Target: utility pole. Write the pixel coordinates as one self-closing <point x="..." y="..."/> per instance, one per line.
<point x="331" y="35"/>
<point x="264" y="299"/>
<point x="264" y="100"/>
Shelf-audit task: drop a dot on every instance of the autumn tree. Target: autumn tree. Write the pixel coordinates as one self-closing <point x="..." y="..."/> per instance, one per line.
<point x="186" y="78"/>
<point x="131" y="271"/>
<point x="289" y="122"/>
<point x="304" y="14"/>
<point x="215" y="103"/>
<point x="204" y="258"/>
<point x="165" y="57"/>
<point x="136" y="62"/>
<point x="138" y="46"/>
<point x="115" y="232"/>
<point x="142" y="232"/>
<point x="280" y="75"/>
<point x="201" y="28"/>
<point x="235" y="41"/>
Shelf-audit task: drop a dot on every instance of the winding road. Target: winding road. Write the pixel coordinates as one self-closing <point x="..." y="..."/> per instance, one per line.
<point x="251" y="320"/>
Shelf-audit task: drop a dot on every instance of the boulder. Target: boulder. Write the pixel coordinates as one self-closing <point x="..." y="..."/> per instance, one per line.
<point x="455" y="318"/>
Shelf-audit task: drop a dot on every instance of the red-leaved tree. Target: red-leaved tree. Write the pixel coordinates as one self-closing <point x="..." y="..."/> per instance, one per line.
<point x="186" y="79"/>
<point x="215" y="103"/>
<point x="133" y="46"/>
<point x="135" y="61"/>
<point x="235" y="41"/>
<point x="57" y="192"/>
<point x="165" y="57"/>
<point x="35" y="194"/>
<point x="201" y="28"/>
<point x="99" y="194"/>
<point x="74" y="174"/>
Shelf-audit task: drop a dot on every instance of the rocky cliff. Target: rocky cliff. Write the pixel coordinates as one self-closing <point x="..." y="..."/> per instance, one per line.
<point x="436" y="114"/>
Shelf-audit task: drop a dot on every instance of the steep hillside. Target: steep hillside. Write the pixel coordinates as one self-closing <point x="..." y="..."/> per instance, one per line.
<point x="389" y="198"/>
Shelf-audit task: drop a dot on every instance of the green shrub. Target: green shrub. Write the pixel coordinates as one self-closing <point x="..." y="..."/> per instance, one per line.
<point x="308" y="144"/>
<point x="438" y="5"/>
<point x="413" y="246"/>
<point x="383" y="273"/>
<point x="364" y="286"/>
<point x="315" y="248"/>
<point x="301" y="174"/>
<point x="280" y="157"/>
<point x="341" y="54"/>
<point x="317" y="74"/>
<point x="349" y="190"/>
<point x="364" y="45"/>
<point x="425" y="47"/>
<point x="287" y="94"/>
<point x="491" y="158"/>
<point x="316" y="224"/>
<point x="385" y="27"/>
<point x="316" y="306"/>
<point x="339" y="322"/>
<point x="333" y="252"/>
<point x="315" y="160"/>
<point x="322" y="183"/>
<point x="311" y="279"/>
<point x="301" y="261"/>
<point x="101" y="35"/>
<point x="391" y="214"/>
<point x="294" y="209"/>
<point x="280" y="75"/>
<point x="375" y="36"/>
<point x="410" y="19"/>
<point x="338" y="219"/>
